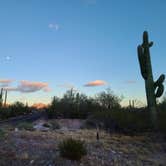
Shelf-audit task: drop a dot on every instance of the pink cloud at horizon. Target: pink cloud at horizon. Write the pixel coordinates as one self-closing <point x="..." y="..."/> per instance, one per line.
<point x="6" y="80"/>
<point x="96" y="83"/>
<point x="29" y="86"/>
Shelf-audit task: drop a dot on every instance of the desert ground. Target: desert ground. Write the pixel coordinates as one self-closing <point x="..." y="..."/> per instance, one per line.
<point x="39" y="147"/>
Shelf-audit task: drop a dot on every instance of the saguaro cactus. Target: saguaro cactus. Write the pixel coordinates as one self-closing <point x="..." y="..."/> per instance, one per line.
<point x="153" y="89"/>
<point x="5" y="98"/>
<point x="1" y="97"/>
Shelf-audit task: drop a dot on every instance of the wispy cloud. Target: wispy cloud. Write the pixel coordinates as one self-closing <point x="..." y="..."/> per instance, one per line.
<point x="96" y="83"/>
<point x="54" y="26"/>
<point x="5" y="82"/>
<point x="8" y="58"/>
<point x="28" y="86"/>
<point x="8" y="88"/>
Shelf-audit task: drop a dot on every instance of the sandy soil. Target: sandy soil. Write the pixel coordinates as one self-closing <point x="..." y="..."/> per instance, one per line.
<point x="37" y="148"/>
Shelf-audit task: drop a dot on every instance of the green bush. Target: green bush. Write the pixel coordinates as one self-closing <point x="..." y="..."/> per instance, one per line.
<point x="162" y="121"/>
<point x="91" y="124"/>
<point x="126" y="121"/>
<point x="72" y="149"/>
<point x="2" y="133"/>
<point x="25" y="126"/>
<point x="129" y="121"/>
<point x="55" y="125"/>
<point x="72" y="105"/>
<point x="5" y="113"/>
<point x="162" y="105"/>
<point x="14" y="110"/>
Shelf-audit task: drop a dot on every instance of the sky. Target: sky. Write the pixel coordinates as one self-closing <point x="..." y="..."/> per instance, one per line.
<point x="49" y="46"/>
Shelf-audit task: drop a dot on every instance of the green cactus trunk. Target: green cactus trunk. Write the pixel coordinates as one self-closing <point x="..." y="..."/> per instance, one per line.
<point x="153" y="89"/>
<point x="149" y="86"/>
<point x="151" y="100"/>
<point x="149" y="82"/>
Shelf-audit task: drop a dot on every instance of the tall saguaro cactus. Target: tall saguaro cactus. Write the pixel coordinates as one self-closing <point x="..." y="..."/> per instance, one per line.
<point x="153" y="89"/>
<point x="1" y="97"/>
<point x="5" y="98"/>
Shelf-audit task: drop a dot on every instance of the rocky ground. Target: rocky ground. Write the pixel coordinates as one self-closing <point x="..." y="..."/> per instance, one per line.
<point x="40" y="147"/>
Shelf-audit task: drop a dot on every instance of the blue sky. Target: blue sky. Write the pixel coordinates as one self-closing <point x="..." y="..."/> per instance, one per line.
<point x="73" y="42"/>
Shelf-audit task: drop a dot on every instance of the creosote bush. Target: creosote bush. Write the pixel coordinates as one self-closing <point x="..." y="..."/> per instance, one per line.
<point x="129" y="121"/>
<point x="79" y="106"/>
<point x="55" y="125"/>
<point x="2" y="133"/>
<point x="72" y="149"/>
<point x="25" y="126"/>
<point x="125" y="121"/>
<point x="14" y="110"/>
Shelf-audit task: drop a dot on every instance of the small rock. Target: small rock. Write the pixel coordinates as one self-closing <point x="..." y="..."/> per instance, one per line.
<point x="64" y="129"/>
<point x="40" y="127"/>
<point x="32" y="161"/>
<point x="16" y="129"/>
<point x="113" y="151"/>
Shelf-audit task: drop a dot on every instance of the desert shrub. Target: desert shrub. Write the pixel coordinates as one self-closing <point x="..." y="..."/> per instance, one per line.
<point x="54" y="125"/>
<point x="51" y="113"/>
<point x="2" y="133"/>
<point x="72" y="105"/>
<point x="76" y="114"/>
<point x="72" y="149"/>
<point x="18" y="108"/>
<point x="133" y="121"/>
<point x="25" y="126"/>
<point x="108" y="100"/>
<point x="67" y="110"/>
<point x="162" y="104"/>
<point x="5" y="113"/>
<point x="89" y="124"/>
<point x="162" y="121"/>
<point x="127" y="121"/>
<point x="14" y="110"/>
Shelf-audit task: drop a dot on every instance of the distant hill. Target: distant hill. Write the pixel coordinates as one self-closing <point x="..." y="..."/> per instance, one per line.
<point x="39" y="105"/>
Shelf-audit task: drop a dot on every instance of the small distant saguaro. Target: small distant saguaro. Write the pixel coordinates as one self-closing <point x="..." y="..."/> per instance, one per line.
<point x="5" y="98"/>
<point x="153" y="88"/>
<point x="1" y="98"/>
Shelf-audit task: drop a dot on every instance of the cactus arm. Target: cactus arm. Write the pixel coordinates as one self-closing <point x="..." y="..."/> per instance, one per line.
<point x="159" y="87"/>
<point x="160" y="80"/>
<point x="150" y="44"/>
<point x="159" y="91"/>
